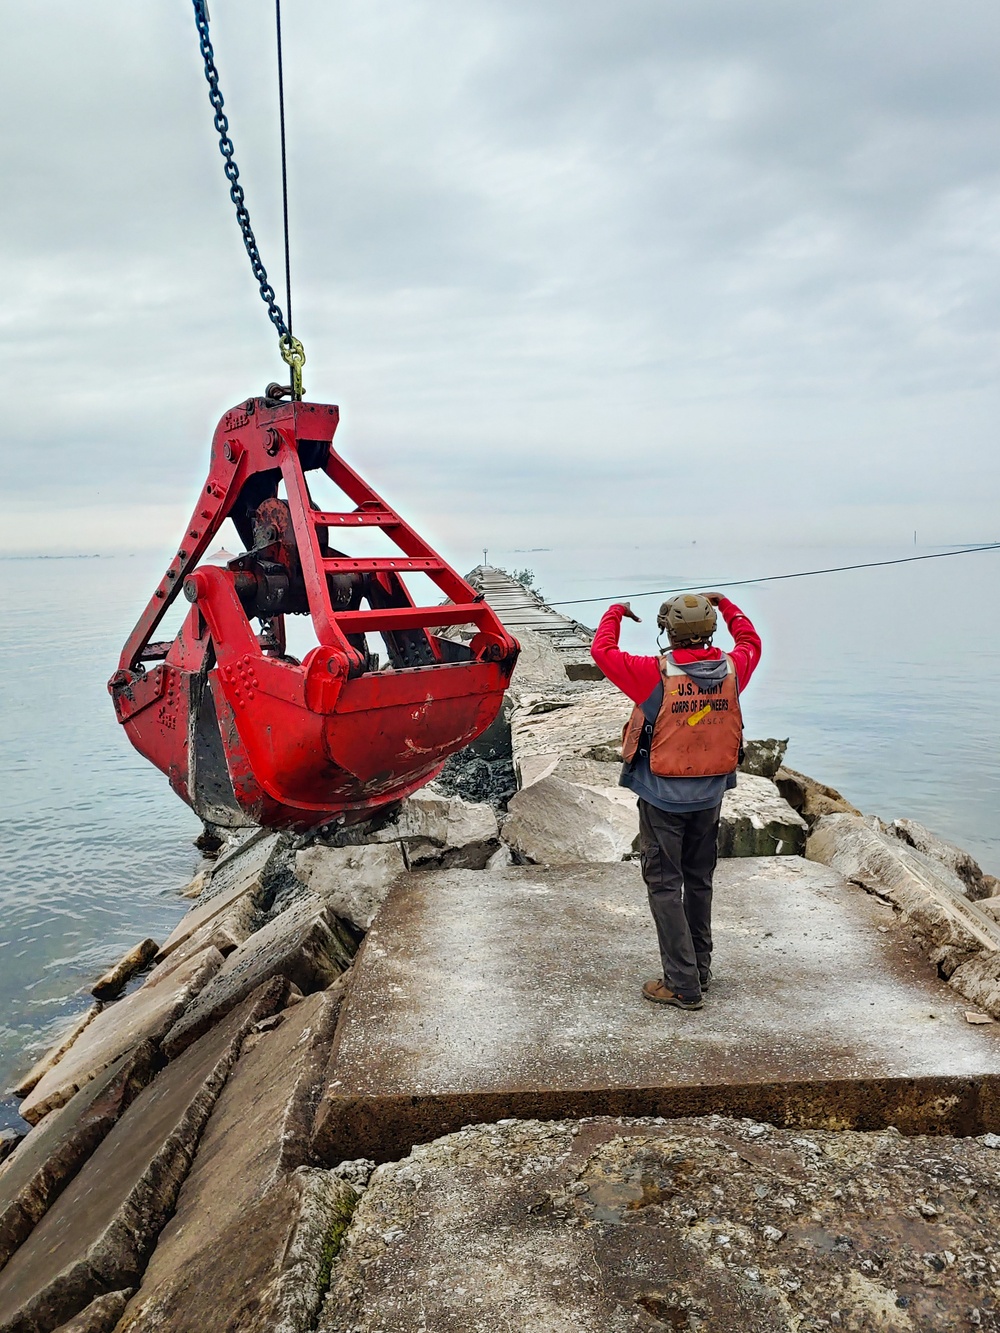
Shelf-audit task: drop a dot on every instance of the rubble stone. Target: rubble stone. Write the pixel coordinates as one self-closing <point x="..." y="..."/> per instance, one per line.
<point x="303" y="944"/>
<point x="351" y="881"/>
<point x="446" y="821"/>
<point x="247" y="1239"/>
<point x="98" y="1234"/>
<point x="571" y="768"/>
<point x="146" y="1014"/>
<point x="585" y="720"/>
<point x="931" y="896"/>
<point x="960" y="862"/>
<point x="756" y="821"/>
<point x="763" y="758"/>
<point x="554" y="822"/>
<point x="114" y="981"/>
<point x="52" y="1153"/>
<point x="712" y="1224"/>
<point x="810" y="798"/>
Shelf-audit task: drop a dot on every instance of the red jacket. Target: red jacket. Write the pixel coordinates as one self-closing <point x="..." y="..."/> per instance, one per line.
<point x="638" y="677"/>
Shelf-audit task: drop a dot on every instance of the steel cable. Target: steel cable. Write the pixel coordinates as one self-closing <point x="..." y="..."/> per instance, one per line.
<point x="774" y="578"/>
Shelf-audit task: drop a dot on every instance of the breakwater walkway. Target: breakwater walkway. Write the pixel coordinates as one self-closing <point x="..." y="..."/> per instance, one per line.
<point x="408" y="1082"/>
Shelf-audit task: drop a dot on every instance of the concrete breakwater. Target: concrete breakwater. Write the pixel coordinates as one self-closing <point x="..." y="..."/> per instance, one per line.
<point x="401" y="1078"/>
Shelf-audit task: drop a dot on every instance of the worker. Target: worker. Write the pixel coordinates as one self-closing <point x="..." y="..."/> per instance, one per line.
<point x="681" y="749"/>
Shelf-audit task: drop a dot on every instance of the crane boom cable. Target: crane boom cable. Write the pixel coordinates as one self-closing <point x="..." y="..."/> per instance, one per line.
<point x="291" y="349"/>
<point x="775" y="578"/>
<point x="284" y="164"/>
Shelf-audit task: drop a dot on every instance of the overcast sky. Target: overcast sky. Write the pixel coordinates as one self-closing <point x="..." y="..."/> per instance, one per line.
<point x="568" y="267"/>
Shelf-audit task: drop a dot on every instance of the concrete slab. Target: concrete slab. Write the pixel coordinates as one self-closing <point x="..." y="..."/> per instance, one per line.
<point x="225" y="1246"/>
<point x="53" y="1152"/>
<point x="237" y="879"/>
<point x="305" y="944"/>
<point x="696" y="1226"/>
<point x="97" y="1236"/>
<point x="145" y="1015"/>
<point x="55" y="1052"/>
<point x="100" y="1316"/>
<point x="517" y="993"/>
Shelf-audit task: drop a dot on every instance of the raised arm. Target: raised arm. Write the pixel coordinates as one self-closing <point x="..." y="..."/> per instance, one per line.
<point x="635" y="676"/>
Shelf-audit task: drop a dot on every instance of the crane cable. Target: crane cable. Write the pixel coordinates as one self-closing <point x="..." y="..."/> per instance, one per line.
<point x="291" y="349"/>
<point x="774" y="578"/>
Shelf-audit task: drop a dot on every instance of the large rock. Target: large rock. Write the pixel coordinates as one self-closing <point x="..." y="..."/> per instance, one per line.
<point x="712" y="1225"/>
<point x="145" y="1015"/>
<point x="445" y="821"/>
<point x="966" y="867"/>
<point x="97" y="1236"/>
<point x="931" y="896"/>
<point x="352" y="881"/>
<point x="763" y="758"/>
<point x="111" y="984"/>
<point x="246" y="1245"/>
<point x="303" y="944"/>
<point x="757" y="821"/>
<point x="53" y="1152"/>
<point x="554" y="822"/>
<point x="571" y="768"/>
<point x="583" y="720"/>
<point x="810" y="798"/>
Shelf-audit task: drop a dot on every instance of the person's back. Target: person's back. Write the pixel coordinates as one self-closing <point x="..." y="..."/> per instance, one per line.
<point x="681" y="749"/>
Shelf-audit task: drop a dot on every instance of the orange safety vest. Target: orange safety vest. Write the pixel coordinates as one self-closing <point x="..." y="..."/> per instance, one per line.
<point x="697" y="732"/>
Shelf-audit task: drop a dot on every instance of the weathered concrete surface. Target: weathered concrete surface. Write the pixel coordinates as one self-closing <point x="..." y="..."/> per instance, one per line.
<point x="554" y="822"/>
<point x="98" y="1234"/>
<point x="144" y="1015"/>
<point x="113" y="982"/>
<point x="517" y="993"/>
<point x="55" y="1149"/>
<point x="352" y="881"/>
<point x="303" y="944"/>
<point x="696" y="1226"/>
<point x="757" y="821"/>
<point x="220" y="1261"/>
<point x="55" y="1052"/>
<point x="963" y="939"/>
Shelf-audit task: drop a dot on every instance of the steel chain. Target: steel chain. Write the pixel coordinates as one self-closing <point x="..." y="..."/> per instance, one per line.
<point x="233" y="175"/>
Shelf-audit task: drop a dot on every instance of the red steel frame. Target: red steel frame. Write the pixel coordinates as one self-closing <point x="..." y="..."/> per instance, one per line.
<point x="302" y="743"/>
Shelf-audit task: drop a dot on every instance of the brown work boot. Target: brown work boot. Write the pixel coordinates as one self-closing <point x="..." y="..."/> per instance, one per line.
<point x="661" y="994"/>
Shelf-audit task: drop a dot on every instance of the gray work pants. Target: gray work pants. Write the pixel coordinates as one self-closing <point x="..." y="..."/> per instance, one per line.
<point x="678" y="852"/>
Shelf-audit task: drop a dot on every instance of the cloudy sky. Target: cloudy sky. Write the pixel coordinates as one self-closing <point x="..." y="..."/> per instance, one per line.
<point x="568" y="267"/>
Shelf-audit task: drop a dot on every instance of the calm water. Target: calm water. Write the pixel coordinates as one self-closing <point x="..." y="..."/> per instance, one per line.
<point x="887" y="682"/>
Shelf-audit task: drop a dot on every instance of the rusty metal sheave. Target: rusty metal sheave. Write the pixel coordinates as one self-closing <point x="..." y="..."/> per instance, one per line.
<point x="246" y="733"/>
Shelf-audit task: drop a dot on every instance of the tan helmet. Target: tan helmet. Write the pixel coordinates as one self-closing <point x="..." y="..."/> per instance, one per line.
<point x="688" y="616"/>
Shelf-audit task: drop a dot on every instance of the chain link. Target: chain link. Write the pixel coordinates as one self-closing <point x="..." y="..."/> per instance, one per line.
<point x="233" y="176"/>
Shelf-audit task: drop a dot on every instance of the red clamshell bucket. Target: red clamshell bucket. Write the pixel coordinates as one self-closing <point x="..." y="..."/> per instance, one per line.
<point x="245" y="732"/>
